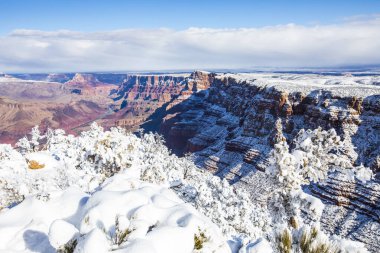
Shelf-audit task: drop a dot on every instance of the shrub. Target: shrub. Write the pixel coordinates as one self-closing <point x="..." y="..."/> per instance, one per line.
<point x="199" y="239"/>
<point x="309" y="243"/>
<point x="34" y="165"/>
<point x="120" y="234"/>
<point x="305" y="240"/>
<point x="69" y="247"/>
<point x="285" y="241"/>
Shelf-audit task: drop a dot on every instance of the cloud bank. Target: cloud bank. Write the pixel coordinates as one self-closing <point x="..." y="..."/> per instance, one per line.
<point x="354" y="42"/>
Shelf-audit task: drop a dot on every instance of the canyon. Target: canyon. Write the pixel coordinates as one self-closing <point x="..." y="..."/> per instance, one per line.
<point x="228" y="122"/>
<point x="232" y="127"/>
<point x="26" y="103"/>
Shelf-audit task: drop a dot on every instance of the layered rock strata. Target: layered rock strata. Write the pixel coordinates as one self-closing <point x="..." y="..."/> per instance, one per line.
<point x="233" y="128"/>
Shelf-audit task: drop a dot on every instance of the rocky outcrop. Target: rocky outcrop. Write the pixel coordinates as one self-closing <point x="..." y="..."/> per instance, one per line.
<point x="233" y="128"/>
<point x="355" y="195"/>
<point x="160" y="88"/>
<point x="89" y="85"/>
<point x="84" y="80"/>
<point x="149" y="97"/>
<point x="245" y="114"/>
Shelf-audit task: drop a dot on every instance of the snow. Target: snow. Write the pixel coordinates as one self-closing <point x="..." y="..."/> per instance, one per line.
<point x="151" y="213"/>
<point x="120" y="193"/>
<point x="61" y="232"/>
<point x="112" y="191"/>
<point x="344" y="85"/>
<point x="33" y="217"/>
<point x="259" y="246"/>
<point x="348" y="246"/>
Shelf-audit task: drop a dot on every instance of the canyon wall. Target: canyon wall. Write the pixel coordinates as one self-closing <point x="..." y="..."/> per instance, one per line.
<point x="72" y="105"/>
<point x="143" y="100"/>
<point x="237" y="116"/>
<point x="232" y="127"/>
<point x="229" y="122"/>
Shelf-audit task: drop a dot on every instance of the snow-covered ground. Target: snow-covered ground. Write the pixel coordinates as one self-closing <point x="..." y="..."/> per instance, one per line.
<point x="344" y="85"/>
<point x="112" y="191"/>
<point x="125" y="215"/>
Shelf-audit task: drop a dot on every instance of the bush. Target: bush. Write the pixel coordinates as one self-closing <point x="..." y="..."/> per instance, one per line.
<point x="285" y="241"/>
<point x="34" y="165"/>
<point x="305" y="240"/>
<point x="68" y="247"/>
<point x="121" y="234"/>
<point x="199" y="239"/>
<point x="309" y="243"/>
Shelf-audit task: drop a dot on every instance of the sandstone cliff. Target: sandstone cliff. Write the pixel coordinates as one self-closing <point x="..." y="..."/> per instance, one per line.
<point x="232" y="126"/>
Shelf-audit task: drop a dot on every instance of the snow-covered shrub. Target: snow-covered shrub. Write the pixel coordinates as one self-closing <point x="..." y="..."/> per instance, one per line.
<point x="12" y="166"/>
<point x="120" y="170"/>
<point x="69" y="247"/>
<point x="312" y="240"/>
<point x="96" y="160"/>
<point x="285" y="241"/>
<point x="315" y="153"/>
<point x="228" y="207"/>
<point x="32" y="144"/>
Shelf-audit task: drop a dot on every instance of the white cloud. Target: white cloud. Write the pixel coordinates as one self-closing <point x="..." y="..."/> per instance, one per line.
<point x="354" y="42"/>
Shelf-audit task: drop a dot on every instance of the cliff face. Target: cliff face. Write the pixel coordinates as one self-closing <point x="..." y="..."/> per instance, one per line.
<point x="244" y="113"/>
<point x="232" y="126"/>
<point x="89" y="85"/>
<point x="145" y="99"/>
<point x="76" y="103"/>
<point x="26" y="103"/>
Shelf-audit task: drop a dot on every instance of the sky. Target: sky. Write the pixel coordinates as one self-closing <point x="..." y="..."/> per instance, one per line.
<point x="116" y="35"/>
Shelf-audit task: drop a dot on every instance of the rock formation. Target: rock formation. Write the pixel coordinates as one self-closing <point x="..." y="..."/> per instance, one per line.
<point x="89" y="85"/>
<point x="230" y="123"/>
<point x="26" y="103"/>
<point x="145" y="99"/>
<point x="232" y="129"/>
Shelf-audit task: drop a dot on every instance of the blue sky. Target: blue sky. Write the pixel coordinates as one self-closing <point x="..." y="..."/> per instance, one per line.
<point x="138" y="35"/>
<point x="100" y="15"/>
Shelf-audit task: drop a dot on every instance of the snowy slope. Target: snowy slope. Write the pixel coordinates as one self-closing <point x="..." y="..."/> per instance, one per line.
<point x="107" y="191"/>
<point x="153" y="217"/>
<point x="112" y="191"/>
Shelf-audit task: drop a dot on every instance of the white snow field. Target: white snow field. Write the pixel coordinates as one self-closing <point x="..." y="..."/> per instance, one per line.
<point x="125" y="215"/>
<point x="341" y="85"/>
<point x="109" y="191"/>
